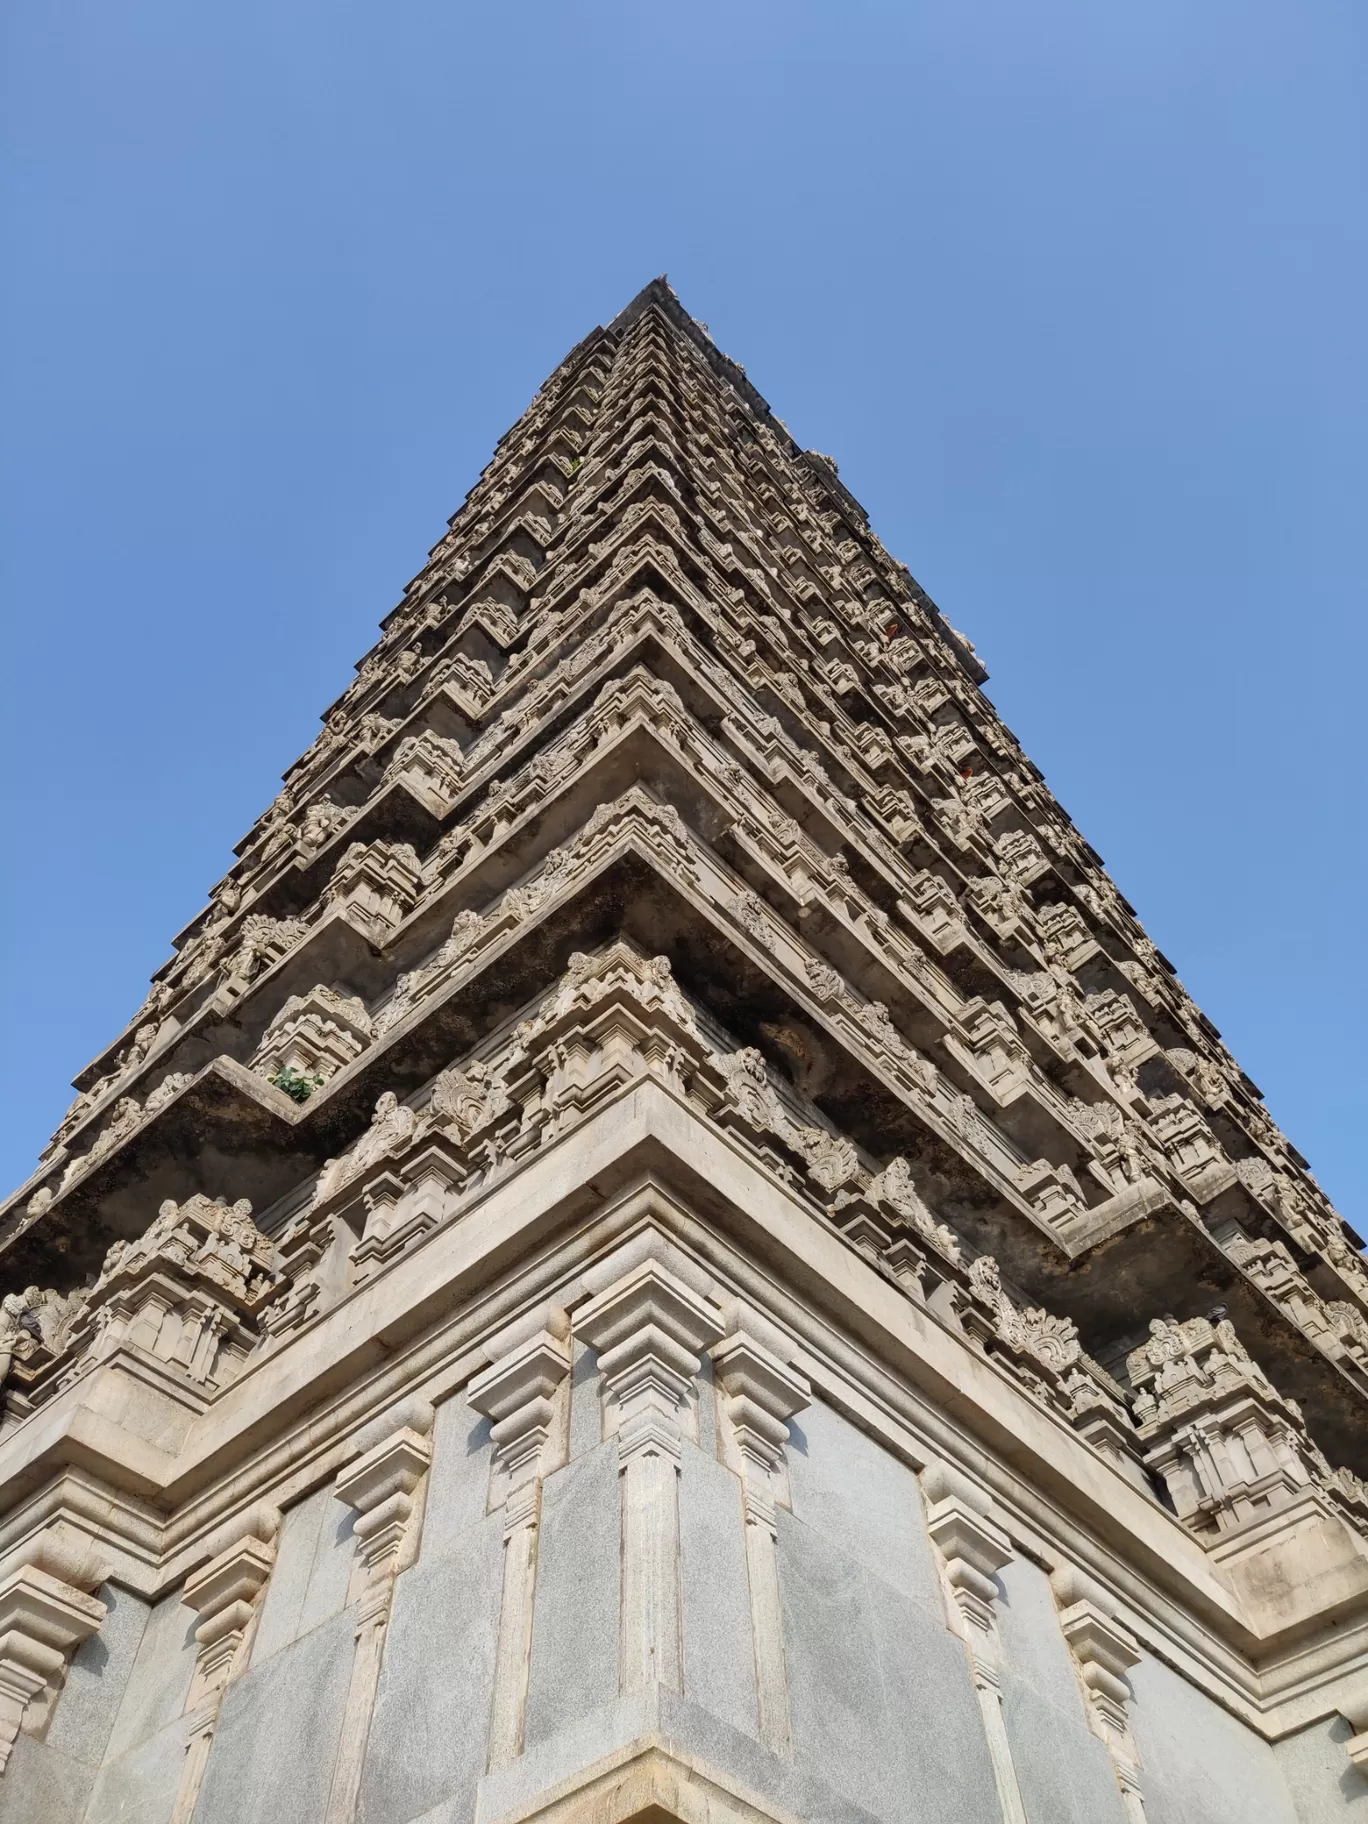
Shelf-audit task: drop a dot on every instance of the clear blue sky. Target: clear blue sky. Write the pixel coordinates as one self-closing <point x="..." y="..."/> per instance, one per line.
<point x="1073" y="291"/>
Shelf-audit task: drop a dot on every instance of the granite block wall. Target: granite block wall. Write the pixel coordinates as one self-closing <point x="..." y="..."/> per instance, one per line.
<point x="1064" y="1771"/>
<point x="1325" y="1788"/>
<point x="1199" y="1764"/>
<point x="886" y="1721"/>
<point x="145" y="1752"/>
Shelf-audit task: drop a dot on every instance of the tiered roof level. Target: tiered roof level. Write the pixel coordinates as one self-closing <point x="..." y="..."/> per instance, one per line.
<point x="660" y="686"/>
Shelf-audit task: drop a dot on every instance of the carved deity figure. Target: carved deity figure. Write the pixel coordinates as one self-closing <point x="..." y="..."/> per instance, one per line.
<point x="391" y="1125"/>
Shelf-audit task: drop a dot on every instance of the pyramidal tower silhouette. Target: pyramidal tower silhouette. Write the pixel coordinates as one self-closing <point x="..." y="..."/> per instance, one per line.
<point x="666" y="1247"/>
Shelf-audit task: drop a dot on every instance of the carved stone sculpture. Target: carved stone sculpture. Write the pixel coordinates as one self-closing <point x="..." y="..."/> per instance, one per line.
<point x="665" y="1247"/>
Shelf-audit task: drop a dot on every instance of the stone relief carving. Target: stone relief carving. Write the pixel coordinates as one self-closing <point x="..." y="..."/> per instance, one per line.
<point x="391" y="1125"/>
<point x="945" y="769"/>
<point x="1228" y="1446"/>
<point x="313" y="1036"/>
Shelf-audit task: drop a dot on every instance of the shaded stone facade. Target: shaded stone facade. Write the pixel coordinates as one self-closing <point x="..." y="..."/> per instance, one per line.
<point x="667" y="1245"/>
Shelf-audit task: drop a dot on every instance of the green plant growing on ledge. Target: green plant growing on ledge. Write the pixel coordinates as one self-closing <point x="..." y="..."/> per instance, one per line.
<point x="295" y="1084"/>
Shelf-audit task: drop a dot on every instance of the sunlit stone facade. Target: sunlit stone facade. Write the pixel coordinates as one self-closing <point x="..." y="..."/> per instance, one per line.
<point x="666" y="1246"/>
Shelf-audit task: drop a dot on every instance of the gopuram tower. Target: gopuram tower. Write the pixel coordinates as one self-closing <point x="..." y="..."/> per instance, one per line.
<point x="667" y="1248"/>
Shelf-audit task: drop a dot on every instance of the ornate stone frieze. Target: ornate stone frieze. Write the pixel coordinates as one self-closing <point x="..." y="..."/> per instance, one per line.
<point x="1229" y="1447"/>
<point x="433" y="768"/>
<point x="725" y="878"/>
<point x="311" y="1038"/>
<point x="830" y="1158"/>
<point x="378" y="883"/>
<point x="392" y="1126"/>
<point x="1336" y="1326"/>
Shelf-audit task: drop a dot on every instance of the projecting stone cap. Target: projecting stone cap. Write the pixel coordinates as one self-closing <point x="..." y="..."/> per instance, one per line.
<point x="942" y="1480"/>
<point x="1104" y="1649"/>
<point x="973" y="1547"/>
<point x="651" y="1245"/>
<point x="46" y="1610"/>
<point x="648" y="1295"/>
<point x="967" y="1539"/>
<point x="648" y="1318"/>
<point x="551" y="1318"/>
<point x="743" y="1319"/>
<point x="1070" y="1585"/>
<point x="528" y="1361"/>
<point x="62" y="1551"/>
<point x="649" y="1283"/>
<point x="391" y="1468"/>
<point x="1353" y="1706"/>
<point x="234" y="1576"/>
<point x="261" y="1523"/>
<point x="389" y="1458"/>
<point x="753" y="1363"/>
<point x="411" y="1414"/>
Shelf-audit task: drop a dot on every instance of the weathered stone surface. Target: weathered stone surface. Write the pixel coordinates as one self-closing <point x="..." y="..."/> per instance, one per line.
<point x="459" y="1484"/>
<point x="719" y="1669"/>
<point x="663" y="1066"/>
<point x="864" y="1500"/>
<point x="140" y="1785"/>
<point x="1324" y="1786"/>
<point x="792" y="1789"/>
<point x="1199" y="1765"/>
<point x="160" y="1679"/>
<point x="428" y="1739"/>
<point x="586" y="1402"/>
<point x="43" y="1786"/>
<point x="574" y="1661"/>
<point x="882" y="1699"/>
<point x="1064" y="1774"/>
<point x="1063" y="1769"/>
<point x="273" y="1751"/>
<point x="313" y="1564"/>
<point x="97" y="1679"/>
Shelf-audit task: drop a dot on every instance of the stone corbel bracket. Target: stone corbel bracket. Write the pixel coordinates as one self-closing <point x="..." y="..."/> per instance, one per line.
<point x="224" y="1593"/>
<point x="760" y="1391"/>
<point x="1103" y="1652"/>
<point x="648" y="1316"/>
<point x="522" y="1394"/>
<point x="392" y="1458"/>
<point x="518" y="1393"/>
<point x="383" y="1483"/>
<point x="648" y="1322"/>
<point x="973" y="1548"/>
<point x="44" y="1617"/>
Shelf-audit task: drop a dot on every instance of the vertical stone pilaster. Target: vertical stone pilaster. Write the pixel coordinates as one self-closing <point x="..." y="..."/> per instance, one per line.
<point x="381" y="1484"/>
<point x="226" y="1594"/>
<point x="43" y="1617"/>
<point x="648" y="1324"/>
<point x="520" y="1392"/>
<point x="972" y="1549"/>
<point x="1103" y="1652"/>
<point x="1353" y="1707"/>
<point x="760" y="1392"/>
